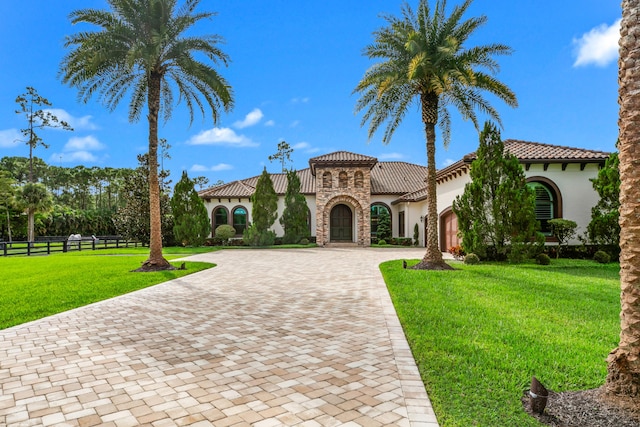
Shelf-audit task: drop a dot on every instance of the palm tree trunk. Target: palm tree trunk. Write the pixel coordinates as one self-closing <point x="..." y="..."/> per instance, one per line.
<point x="156" y="261"/>
<point x="9" y="226"/>
<point x="623" y="376"/>
<point x="433" y="258"/>
<point x="30" y="225"/>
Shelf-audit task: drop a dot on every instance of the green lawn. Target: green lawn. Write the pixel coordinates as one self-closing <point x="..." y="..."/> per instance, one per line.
<point x="480" y="332"/>
<point x="38" y="286"/>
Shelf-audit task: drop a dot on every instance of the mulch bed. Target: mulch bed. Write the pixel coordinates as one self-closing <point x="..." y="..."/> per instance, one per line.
<point x="588" y="408"/>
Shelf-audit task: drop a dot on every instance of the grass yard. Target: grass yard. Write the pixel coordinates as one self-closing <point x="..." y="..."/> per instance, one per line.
<point x="39" y="286"/>
<point x="480" y="332"/>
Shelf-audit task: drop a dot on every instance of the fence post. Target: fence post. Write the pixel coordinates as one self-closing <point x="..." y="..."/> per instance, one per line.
<point x="65" y="243"/>
<point x="28" y="248"/>
<point x="48" y="247"/>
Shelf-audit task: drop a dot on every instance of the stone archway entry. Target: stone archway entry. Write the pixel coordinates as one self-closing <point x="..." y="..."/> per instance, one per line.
<point x="341" y="224"/>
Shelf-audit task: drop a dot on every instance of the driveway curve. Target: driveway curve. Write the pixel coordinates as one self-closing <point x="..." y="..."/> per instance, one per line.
<point x="267" y="338"/>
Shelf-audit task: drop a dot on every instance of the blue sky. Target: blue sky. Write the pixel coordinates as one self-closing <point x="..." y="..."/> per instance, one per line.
<point x="294" y="66"/>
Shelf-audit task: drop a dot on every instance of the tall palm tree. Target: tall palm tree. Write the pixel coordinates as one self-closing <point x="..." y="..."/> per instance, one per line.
<point x="424" y="60"/>
<point x="624" y="362"/>
<point x="142" y="48"/>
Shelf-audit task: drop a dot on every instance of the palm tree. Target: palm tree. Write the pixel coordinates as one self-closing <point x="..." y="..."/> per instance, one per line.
<point x="424" y="60"/>
<point x="142" y="48"/>
<point x="624" y="362"/>
<point x="35" y="198"/>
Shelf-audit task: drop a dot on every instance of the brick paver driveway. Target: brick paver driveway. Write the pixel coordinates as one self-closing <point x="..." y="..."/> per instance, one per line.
<point x="267" y="338"/>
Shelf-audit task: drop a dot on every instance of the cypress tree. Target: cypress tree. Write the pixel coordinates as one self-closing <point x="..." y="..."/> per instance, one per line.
<point x="191" y="220"/>
<point x="294" y="217"/>
<point x="264" y="212"/>
<point x="497" y="208"/>
<point x="604" y="228"/>
<point x="384" y="226"/>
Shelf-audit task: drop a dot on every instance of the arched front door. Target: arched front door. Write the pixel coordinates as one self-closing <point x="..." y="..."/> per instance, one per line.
<point x="341" y="224"/>
<point x="449" y="231"/>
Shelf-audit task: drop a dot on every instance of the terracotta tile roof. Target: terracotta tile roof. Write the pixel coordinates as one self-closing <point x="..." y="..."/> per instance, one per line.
<point x="525" y="151"/>
<point x="397" y="177"/>
<point x="531" y="152"/>
<point x="345" y="158"/>
<point x="244" y="188"/>
<point x="414" y="196"/>
<point x="386" y="178"/>
<point x="403" y="178"/>
<point x="342" y="156"/>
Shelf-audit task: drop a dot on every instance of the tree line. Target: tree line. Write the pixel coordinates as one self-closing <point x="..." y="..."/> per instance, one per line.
<point x="68" y="199"/>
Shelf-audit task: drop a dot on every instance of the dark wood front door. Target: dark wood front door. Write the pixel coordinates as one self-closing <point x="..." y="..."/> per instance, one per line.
<point x="341" y="224"/>
<point x="449" y="230"/>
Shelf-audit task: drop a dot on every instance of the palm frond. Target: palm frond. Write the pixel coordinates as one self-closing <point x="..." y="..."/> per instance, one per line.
<point x="424" y="53"/>
<point x="140" y="38"/>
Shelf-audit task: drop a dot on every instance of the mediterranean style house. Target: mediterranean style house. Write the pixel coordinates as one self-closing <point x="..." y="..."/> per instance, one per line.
<point x="346" y="192"/>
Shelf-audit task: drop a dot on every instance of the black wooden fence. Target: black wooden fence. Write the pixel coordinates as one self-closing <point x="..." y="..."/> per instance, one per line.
<point x="52" y="244"/>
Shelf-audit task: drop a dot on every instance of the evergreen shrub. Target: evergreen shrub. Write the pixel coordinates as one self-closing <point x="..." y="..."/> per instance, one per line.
<point x="471" y="259"/>
<point x="543" y="259"/>
<point x="602" y="257"/>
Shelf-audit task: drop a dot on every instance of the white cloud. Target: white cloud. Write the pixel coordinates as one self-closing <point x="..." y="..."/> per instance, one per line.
<point x="306" y="147"/>
<point x="73" y="157"/>
<point x="448" y="162"/>
<point x="221" y="136"/>
<point x="391" y="156"/>
<point x="598" y="46"/>
<point x="300" y="100"/>
<point x="9" y="138"/>
<point x="294" y="123"/>
<point x="86" y="143"/>
<point x="217" y="168"/>
<point x="77" y="123"/>
<point x="269" y="123"/>
<point x="221" y="167"/>
<point x="79" y="150"/>
<point x="251" y="119"/>
<point x="301" y="146"/>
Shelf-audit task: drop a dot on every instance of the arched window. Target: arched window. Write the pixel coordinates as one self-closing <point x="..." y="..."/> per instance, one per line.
<point x="548" y="204"/>
<point x="358" y="179"/>
<point x="343" y="180"/>
<point x="376" y="210"/>
<point x="240" y="219"/>
<point x="220" y="217"/>
<point x="326" y="180"/>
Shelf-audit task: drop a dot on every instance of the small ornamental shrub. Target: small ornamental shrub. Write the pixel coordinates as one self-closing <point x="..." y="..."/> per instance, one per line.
<point x="602" y="257"/>
<point x="416" y="235"/>
<point x="457" y="252"/>
<point x="382" y="242"/>
<point x="225" y="232"/>
<point x="304" y="241"/>
<point x="518" y="252"/>
<point x="471" y="259"/>
<point x="543" y="259"/>
<point x="252" y="236"/>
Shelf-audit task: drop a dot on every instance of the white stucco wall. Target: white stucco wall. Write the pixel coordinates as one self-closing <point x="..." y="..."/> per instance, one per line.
<point x="246" y="203"/>
<point x="576" y="190"/>
<point x="578" y="197"/>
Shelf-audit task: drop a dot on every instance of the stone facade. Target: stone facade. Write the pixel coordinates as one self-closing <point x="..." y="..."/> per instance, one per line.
<point x="343" y="184"/>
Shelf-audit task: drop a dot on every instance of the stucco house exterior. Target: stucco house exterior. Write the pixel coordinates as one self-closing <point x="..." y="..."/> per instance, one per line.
<point x="345" y="193"/>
